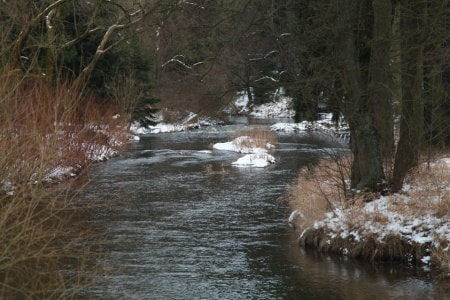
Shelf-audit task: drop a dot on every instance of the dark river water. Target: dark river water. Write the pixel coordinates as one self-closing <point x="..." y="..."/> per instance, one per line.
<point x="182" y="223"/>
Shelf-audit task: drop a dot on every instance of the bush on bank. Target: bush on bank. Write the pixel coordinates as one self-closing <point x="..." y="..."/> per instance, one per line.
<point x="46" y="135"/>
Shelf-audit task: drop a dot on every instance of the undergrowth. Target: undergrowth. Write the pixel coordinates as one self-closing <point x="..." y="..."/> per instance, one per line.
<point x="44" y="251"/>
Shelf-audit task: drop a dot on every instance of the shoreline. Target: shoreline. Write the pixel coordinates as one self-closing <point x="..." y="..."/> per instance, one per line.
<point x="411" y="227"/>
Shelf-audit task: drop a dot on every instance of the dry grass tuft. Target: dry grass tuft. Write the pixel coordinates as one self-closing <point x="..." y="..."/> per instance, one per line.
<point x="258" y="138"/>
<point x="441" y="253"/>
<point x="318" y="190"/>
<point x="428" y="187"/>
<point x="215" y="169"/>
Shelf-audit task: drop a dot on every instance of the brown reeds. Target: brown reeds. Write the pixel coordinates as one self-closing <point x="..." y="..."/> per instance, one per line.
<point x="258" y="138"/>
<point x="318" y="190"/>
<point x="44" y="251"/>
<point x="430" y="182"/>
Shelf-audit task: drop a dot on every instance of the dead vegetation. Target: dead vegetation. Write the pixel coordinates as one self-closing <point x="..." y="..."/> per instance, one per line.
<point x="257" y="138"/>
<point x="318" y="190"/>
<point x="44" y="251"/>
<point x="391" y="248"/>
<point x="322" y="190"/>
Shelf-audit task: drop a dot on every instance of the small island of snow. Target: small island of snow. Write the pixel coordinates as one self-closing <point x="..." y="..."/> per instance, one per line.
<point x="254" y="156"/>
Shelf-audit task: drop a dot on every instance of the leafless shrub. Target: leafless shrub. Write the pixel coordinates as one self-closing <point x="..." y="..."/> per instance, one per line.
<point x="44" y="251"/>
<point x="125" y="92"/>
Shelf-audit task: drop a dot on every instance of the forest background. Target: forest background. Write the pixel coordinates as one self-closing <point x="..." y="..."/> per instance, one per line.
<point x="375" y="62"/>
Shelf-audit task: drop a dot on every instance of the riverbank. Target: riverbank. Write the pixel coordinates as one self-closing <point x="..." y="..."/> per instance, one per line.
<point x="411" y="227"/>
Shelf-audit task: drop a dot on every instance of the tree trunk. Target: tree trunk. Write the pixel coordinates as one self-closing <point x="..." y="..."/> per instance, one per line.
<point x="379" y="88"/>
<point x="435" y="61"/>
<point x="367" y="168"/>
<point x="411" y="124"/>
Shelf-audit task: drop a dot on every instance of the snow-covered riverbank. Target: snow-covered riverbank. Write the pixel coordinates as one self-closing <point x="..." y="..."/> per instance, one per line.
<point x="412" y="226"/>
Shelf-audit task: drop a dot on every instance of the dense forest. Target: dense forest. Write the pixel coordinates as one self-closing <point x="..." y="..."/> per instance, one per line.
<point x="379" y="63"/>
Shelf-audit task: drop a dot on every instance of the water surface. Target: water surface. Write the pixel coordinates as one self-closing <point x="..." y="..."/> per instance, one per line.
<point x="183" y="223"/>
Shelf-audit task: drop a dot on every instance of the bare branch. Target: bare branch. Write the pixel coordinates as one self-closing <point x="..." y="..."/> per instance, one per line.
<point x="89" y="30"/>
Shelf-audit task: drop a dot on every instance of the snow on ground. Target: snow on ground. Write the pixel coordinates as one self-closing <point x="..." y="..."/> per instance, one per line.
<point x="416" y="228"/>
<point x="240" y="145"/>
<point x="184" y="125"/>
<point x="281" y="108"/>
<point x="94" y="152"/>
<point x="239" y="105"/>
<point x="324" y="124"/>
<point x="158" y="128"/>
<point x="255" y="156"/>
<point x="416" y="215"/>
<point x="255" y="160"/>
<point x="59" y="173"/>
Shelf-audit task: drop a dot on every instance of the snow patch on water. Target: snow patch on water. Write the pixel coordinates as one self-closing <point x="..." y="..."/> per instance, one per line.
<point x="255" y="156"/>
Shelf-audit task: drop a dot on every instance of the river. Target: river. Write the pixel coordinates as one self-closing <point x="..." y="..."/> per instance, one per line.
<point x="182" y="223"/>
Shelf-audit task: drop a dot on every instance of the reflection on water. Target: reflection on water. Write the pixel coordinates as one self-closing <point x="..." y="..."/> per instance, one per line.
<point x="184" y="224"/>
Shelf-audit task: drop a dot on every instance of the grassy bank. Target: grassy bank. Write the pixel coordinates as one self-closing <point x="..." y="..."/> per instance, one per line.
<point x="412" y="226"/>
<point x="47" y="133"/>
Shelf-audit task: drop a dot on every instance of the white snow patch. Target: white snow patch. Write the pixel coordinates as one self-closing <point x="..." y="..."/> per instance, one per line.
<point x="420" y="228"/>
<point x="59" y="173"/>
<point x="238" y="145"/>
<point x="416" y="221"/>
<point x="280" y="108"/>
<point x="324" y="124"/>
<point x="239" y="105"/>
<point x="255" y="160"/>
<point x="255" y="156"/>
<point x="187" y="123"/>
<point x="159" y="128"/>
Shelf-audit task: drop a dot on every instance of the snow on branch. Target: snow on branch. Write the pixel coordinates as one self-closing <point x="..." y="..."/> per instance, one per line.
<point x="48" y="17"/>
<point x="284" y="34"/>
<point x="191" y="3"/>
<point x="255" y="57"/>
<point x="176" y="59"/>
<point x="266" y="78"/>
<point x="270" y="53"/>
